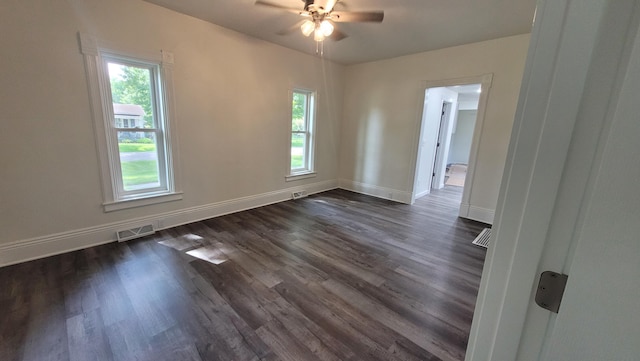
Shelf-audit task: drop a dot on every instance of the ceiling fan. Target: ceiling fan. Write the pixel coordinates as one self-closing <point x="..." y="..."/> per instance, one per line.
<point x="319" y="16"/>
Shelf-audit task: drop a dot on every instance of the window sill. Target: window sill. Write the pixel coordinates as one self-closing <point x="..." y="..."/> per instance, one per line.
<point x="299" y="176"/>
<point x="139" y="202"/>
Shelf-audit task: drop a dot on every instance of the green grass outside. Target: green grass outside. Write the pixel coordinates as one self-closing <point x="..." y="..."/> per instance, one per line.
<point x="136" y="147"/>
<point x="146" y="171"/>
<point x="139" y="172"/>
<point x="296" y="161"/>
<point x="297" y="142"/>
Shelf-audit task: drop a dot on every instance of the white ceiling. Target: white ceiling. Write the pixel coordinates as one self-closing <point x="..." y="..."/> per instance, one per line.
<point x="409" y="26"/>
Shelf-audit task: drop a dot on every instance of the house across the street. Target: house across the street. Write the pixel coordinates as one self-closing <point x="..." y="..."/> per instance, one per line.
<point x="129" y="116"/>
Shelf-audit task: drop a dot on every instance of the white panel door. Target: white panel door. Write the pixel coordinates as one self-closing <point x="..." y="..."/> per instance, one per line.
<point x="599" y="318"/>
<point x="570" y="196"/>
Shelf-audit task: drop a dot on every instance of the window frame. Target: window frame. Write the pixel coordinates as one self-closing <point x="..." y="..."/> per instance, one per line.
<point x="96" y="56"/>
<point x="307" y="170"/>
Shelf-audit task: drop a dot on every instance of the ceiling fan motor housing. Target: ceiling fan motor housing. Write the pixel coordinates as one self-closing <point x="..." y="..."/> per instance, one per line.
<point x="307" y="3"/>
<point x="313" y="8"/>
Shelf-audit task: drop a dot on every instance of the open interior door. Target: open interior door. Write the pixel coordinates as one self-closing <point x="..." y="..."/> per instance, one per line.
<point x="570" y="196"/>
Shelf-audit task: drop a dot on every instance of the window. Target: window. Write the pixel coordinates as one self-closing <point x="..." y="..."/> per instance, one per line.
<point x="302" y="136"/>
<point x="140" y="165"/>
<point x="131" y="97"/>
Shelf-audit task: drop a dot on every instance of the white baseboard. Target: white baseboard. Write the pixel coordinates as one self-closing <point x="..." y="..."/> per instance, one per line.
<point x="475" y="213"/>
<point x="49" y="245"/>
<point x="423" y="193"/>
<point x="194" y="214"/>
<point x="376" y="191"/>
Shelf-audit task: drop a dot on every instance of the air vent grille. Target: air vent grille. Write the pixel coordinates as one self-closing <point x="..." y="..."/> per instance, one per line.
<point x="298" y="194"/>
<point x="483" y="238"/>
<point x="136" y="232"/>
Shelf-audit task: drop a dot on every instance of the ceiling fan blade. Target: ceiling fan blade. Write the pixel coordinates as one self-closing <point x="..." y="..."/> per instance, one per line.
<point x="279" y="7"/>
<point x="341" y="4"/>
<point x="337" y="35"/>
<point x="329" y="5"/>
<point x="291" y="29"/>
<point x="357" y="16"/>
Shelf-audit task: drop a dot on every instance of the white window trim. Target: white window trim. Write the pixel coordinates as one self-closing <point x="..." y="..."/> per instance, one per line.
<point x="300" y="176"/>
<point x="101" y="110"/>
<point x="309" y="171"/>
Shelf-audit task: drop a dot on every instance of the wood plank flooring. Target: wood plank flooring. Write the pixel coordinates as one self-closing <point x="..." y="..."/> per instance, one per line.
<point x="334" y="276"/>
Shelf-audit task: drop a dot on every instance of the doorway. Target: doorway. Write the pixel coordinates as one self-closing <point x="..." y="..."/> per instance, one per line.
<point x="450" y="126"/>
<point x="462" y="136"/>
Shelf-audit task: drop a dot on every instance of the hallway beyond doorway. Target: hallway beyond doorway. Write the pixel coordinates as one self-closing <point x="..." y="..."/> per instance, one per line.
<point x="455" y="175"/>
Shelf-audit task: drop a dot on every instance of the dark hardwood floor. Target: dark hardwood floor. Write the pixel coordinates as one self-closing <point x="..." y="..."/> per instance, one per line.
<point x="334" y="276"/>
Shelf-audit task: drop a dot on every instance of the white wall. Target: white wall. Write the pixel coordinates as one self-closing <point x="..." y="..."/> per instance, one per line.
<point x="231" y="100"/>
<point x="231" y="105"/>
<point x="382" y="107"/>
<point x="461" y="139"/>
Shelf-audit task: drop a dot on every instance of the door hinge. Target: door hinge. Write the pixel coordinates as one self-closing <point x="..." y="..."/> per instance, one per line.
<point x="550" y="290"/>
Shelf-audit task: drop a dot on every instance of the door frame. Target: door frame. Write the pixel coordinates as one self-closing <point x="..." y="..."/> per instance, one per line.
<point x="573" y="72"/>
<point x="485" y="81"/>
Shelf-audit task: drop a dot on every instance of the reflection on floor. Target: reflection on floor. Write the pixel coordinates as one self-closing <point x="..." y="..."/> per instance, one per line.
<point x="455" y="174"/>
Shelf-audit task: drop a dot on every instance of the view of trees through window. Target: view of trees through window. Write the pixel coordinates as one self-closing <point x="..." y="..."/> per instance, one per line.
<point x="298" y="130"/>
<point x="131" y="86"/>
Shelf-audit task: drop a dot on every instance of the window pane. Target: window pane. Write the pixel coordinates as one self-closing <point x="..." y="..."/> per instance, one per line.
<point x="131" y="93"/>
<point x="299" y="108"/>
<point x="138" y="160"/>
<point x="297" y="151"/>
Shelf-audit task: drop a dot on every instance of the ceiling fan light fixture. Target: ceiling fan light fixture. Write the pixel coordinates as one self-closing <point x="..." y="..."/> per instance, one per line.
<point x="307" y="27"/>
<point x="319" y="17"/>
<point x="326" y="28"/>
<point x="318" y="35"/>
